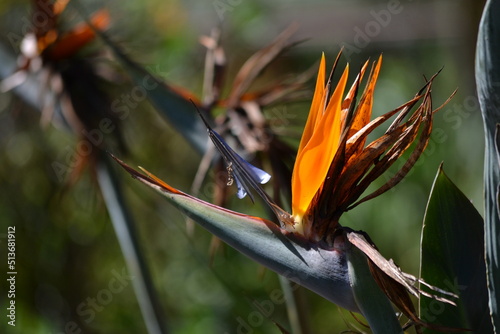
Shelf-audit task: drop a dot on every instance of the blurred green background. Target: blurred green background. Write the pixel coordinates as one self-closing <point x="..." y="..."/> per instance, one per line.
<point x="67" y="251"/>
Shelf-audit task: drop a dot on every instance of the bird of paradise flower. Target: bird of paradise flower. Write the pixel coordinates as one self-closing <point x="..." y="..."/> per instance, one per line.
<point x="333" y="168"/>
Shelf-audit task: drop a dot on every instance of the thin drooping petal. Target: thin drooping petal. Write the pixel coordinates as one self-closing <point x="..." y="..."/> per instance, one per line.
<point x="392" y="270"/>
<point x="313" y="161"/>
<point x="359" y="138"/>
<point x="422" y="118"/>
<point x="255" y="64"/>
<point x="396" y="284"/>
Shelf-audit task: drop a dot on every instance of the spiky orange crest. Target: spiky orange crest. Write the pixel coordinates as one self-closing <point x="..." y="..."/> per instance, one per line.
<point x="322" y="134"/>
<point x="318" y="144"/>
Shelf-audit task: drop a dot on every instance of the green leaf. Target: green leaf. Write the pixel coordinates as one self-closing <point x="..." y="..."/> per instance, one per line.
<point x="488" y="83"/>
<point x="452" y="258"/>
<point x="124" y="225"/>
<point x="373" y="303"/>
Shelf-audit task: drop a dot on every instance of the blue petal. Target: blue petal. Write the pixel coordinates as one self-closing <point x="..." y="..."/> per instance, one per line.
<point x="257" y="174"/>
<point x="243" y="172"/>
<point x="241" y="189"/>
<point x="246" y="175"/>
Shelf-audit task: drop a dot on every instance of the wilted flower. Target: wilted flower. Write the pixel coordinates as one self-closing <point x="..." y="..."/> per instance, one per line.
<point x="243" y="120"/>
<point x="239" y="114"/>
<point x="70" y="89"/>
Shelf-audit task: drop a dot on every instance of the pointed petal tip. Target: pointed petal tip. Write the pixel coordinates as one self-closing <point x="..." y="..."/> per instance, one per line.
<point x="260" y="174"/>
<point x="242" y="191"/>
<point x="265" y="179"/>
<point x="147" y="177"/>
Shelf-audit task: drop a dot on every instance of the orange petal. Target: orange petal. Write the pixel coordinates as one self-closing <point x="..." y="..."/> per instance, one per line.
<point x="152" y="177"/>
<point x="350" y="95"/>
<point x="317" y="105"/>
<point x="316" y="110"/>
<point x="313" y="161"/>
<point x="364" y="111"/>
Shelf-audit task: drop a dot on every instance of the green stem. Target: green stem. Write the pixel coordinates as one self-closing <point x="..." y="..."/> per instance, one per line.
<point x="297" y="318"/>
<point x="373" y="303"/>
<point x="151" y="309"/>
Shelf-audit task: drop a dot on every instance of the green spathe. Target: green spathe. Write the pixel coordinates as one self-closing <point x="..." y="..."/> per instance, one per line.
<point x="339" y="273"/>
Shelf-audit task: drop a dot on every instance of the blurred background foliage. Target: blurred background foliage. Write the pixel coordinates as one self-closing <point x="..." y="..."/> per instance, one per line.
<point x="67" y="251"/>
